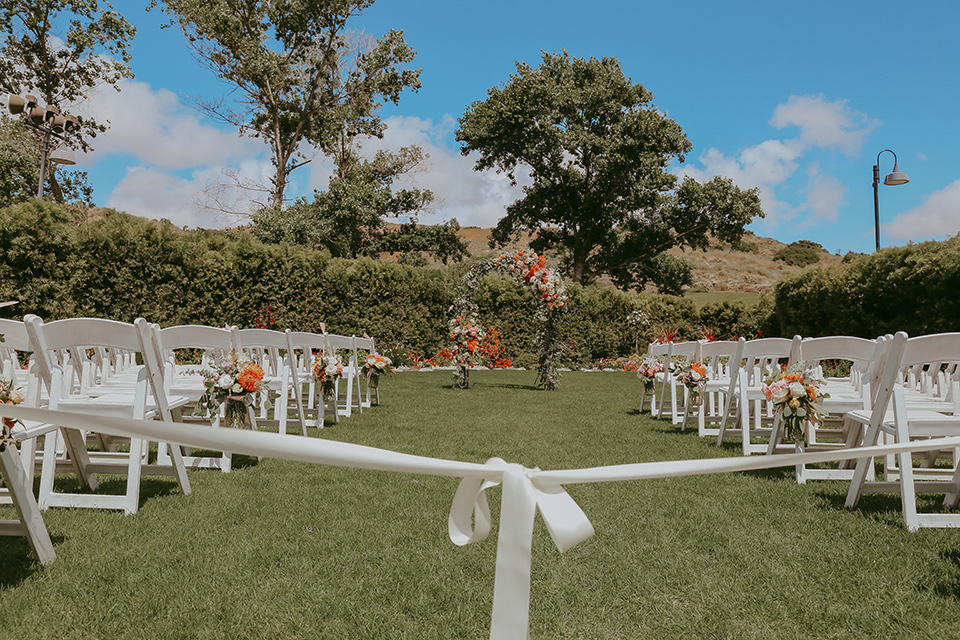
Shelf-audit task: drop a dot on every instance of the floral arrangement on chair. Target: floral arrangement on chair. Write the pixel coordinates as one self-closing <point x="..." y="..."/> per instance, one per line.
<point x="374" y="366"/>
<point x="466" y="335"/>
<point x="9" y="395"/>
<point x="233" y="382"/>
<point x="795" y="396"/>
<point x="647" y="371"/>
<point x="327" y="370"/>
<point x="693" y="376"/>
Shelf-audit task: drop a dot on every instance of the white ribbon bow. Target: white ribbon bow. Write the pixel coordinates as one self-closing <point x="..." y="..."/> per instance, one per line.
<point x="522" y="496"/>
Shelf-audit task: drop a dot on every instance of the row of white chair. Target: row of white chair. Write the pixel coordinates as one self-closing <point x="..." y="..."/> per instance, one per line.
<point x="899" y="388"/>
<point x="105" y="367"/>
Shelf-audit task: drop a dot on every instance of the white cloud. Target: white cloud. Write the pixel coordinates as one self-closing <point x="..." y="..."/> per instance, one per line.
<point x="824" y="124"/>
<point x="154" y="193"/>
<point x="824" y="194"/>
<point x="938" y="216"/>
<point x="196" y="201"/>
<point x="159" y="130"/>
<point x="763" y="166"/>
<point x="768" y="165"/>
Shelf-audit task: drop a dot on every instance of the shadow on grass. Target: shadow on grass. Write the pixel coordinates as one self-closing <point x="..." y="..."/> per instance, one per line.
<point x="949" y="587"/>
<point x="18" y="562"/>
<point x="777" y="473"/>
<point x="117" y="485"/>
<point x="528" y="387"/>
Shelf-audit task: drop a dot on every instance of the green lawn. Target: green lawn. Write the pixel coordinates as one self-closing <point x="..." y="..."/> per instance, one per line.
<point x="279" y="549"/>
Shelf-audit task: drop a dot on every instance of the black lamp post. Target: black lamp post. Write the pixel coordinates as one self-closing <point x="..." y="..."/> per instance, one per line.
<point x="52" y="124"/>
<point x="895" y="178"/>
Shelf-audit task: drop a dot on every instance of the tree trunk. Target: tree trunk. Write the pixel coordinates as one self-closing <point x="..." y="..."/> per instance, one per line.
<point x="279" y="185"/>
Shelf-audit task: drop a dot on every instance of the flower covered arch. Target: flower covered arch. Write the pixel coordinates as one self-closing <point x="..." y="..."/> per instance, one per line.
<point x="549" y="294"/>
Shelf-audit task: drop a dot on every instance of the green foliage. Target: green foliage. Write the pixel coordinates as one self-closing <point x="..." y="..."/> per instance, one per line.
<point x="850" y="256"/>
<point x="38" y="258"/>
<point x="598" y="153"/>
<point x="20" y="169"/>
<point x="301" y="73"/>
<point x="912" y="288"/>
<point x="800" y="253"/>
<point x="744" y="246"/>
<point x="122" y="267"/>
<point x="723" y="318"/>
<point x="349" y="218"/>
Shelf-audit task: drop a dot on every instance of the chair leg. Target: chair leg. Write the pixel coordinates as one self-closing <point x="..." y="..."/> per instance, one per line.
<point x="28" y="511"/>
<point x="860" y="472"/>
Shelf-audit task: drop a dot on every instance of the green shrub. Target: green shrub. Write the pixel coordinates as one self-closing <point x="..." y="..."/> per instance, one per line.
<point x="912" y="288"/>
<point x="800" y="253"/>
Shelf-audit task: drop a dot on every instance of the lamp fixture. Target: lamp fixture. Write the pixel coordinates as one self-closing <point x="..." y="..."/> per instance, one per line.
<point x="892" y="179"/>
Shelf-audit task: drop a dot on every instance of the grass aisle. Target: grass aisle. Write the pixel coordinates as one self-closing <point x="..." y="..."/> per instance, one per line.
<point x="279" y="549"/>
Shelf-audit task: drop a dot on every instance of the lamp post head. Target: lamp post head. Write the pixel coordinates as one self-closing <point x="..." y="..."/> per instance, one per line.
<point x="64" y="156"/>
<point x="897" y="177"/>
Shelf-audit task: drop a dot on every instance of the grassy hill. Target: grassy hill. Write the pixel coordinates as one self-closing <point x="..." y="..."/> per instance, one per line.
<point x="718" y="273"/>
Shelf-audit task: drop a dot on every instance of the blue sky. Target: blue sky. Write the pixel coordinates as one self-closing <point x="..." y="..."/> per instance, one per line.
<point x="795" y="99"/>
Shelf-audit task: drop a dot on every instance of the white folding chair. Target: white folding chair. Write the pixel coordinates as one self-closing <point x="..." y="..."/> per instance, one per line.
<point x="661" y="352"/>
<point x="311" y="346"/>
<point x="29" y="521"/>
<point x="349" y="399"/>
<point x="365" y="343"/>
<point x="271" y="351"/>
<point x="722" y="360"/>
<point x="145" y="399"/>
<point x="866" y="357"/>
<point x="210" y="343"/>
<point x="909" y="420"/>
<point x="758" y="357"/>
<point x="678" y="393"/>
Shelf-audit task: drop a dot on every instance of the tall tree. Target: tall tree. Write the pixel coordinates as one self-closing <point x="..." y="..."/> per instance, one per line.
<point x="60" y="50"/>
<point x="598" y="154"/>
<point x="302" y="75"/>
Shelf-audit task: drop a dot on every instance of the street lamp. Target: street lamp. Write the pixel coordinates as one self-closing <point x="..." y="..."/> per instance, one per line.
<point x="52" y="124"/>
<point x="895" y="178"/>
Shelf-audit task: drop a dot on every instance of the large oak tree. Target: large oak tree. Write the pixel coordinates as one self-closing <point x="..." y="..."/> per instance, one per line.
<point x="598" y="154"/>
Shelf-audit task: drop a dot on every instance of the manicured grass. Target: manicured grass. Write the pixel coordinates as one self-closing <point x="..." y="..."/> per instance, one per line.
<point x="279" y="549"/>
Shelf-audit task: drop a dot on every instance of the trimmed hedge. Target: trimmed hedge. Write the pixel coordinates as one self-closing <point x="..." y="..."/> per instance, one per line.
<point x="122" y="267"/>
<point x="913" y="288"/>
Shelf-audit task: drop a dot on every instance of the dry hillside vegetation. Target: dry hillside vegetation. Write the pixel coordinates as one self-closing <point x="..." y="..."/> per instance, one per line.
<point x="719" y="268"/>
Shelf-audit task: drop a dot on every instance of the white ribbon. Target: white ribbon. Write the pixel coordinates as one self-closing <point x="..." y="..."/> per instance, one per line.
<point x="524" y="490"/>
<point x="522" y="496"/>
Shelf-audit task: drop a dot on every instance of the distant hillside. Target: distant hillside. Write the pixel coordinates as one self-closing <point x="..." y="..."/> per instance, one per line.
<point x="717" y="269"/>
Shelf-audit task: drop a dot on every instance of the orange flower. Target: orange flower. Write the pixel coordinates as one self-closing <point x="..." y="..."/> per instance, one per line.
<point x="472" y="345"/>
<point x="699" y="368"/>
<point x="250" y="378"/>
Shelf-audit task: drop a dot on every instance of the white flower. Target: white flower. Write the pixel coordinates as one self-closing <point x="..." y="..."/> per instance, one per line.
<point x="236" y="388"/>
<point x="331" y="370"/>
<point x="780" y="393"/>
<point x="225" y="381"/>
<point x="797" y="390"/>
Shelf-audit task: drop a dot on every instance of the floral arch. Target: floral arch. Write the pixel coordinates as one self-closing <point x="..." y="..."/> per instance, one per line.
<point x="550" y="294"/>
